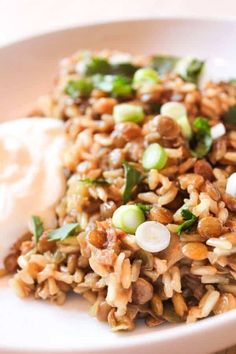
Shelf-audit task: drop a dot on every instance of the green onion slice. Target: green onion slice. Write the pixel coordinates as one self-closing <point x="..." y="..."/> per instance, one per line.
<point x="154" y="157"/>
<point x="128" y="218"/>
<point x="126" y="112"/>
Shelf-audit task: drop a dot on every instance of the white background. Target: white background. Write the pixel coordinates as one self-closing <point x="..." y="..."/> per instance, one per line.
<point x="23" y="18"/>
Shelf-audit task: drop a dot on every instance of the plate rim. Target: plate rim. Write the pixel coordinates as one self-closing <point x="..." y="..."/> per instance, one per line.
<point x="65" y="28"/>
<point x="150" y="337"/>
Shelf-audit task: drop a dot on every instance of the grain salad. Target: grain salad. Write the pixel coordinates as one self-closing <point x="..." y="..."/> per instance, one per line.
<point x="147" y="226"/>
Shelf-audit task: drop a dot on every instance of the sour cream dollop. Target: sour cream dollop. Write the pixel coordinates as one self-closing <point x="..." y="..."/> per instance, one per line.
<point x="31" y="175"/>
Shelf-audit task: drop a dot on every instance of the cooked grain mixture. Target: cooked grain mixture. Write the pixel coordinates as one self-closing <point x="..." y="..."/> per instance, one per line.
<point x="147" y="228"/>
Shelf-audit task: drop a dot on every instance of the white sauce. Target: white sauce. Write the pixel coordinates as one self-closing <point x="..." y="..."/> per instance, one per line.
<point x="31" y="175"/>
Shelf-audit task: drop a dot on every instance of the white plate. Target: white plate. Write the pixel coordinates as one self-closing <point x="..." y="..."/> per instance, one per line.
<point x="26" y="71"/>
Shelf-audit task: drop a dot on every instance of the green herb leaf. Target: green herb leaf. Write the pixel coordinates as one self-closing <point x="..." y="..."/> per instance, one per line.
<point x="202" y="147"/>
<point x="202" y="124"/>
<point x="132" y="179"/>
<point x="230" y="116"/>
<point x="125" y="69"/>
<point x="202" y="141"/>
<point x="193" y="71"/>
<point x="38" y="228"/>
<point x="77" y="88"/>
<point x="96" y="65"/>
<point x="155" y="107"/>
<point x="144" y="207"/>
<point x="189" y="220"/>
<point x="164" y="63"/>
<point x="189" y="69"/>
<point x="94" y="181"/>
<point x="232" y="81"/>
<point x="63" y="232"/>
<point x="116" y="85"/>
<point x="186" y="214"/>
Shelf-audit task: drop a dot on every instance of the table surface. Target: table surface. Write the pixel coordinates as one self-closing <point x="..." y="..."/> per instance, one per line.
<point x="23" y="18"/>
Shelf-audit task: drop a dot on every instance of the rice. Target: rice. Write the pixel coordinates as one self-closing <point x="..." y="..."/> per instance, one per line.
<point x="195" y="276"/>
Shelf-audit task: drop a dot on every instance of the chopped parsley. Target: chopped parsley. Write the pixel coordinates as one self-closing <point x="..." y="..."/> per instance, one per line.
<point x="125" y="69"/>
<point x="63" y="232"/>
<point x="132" y="179"/>
<point x="78" y="88"/>
<point x="96" y="65"/>
<point x="116" y="85"/>
<point x="38" y="228"/>
<point x="189" y="220"/>
<point x="201" y="141"/>
<point x="190" y="69"/>
<point x="144" y="207"/>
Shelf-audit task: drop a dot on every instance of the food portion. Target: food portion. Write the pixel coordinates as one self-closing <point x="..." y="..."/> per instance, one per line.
<point x="147" y="225"/>
<point x="31" y="177"/>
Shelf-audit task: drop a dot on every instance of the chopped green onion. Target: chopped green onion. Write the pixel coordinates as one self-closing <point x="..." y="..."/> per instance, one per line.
<point x="154" y="157"/>
<point x="128" y="218"/>
<point x="173" y="110"/>
<point x="189" y="220"/>
<point x="63" y="232"/>
<point x="189" y="69"/>
<point x="145" y="76"/>
<point x="185" y="126"/>
<point x="126" y="112"/>
<point x="132" y="179"/>
<point x="38" y="228"/>
<point x="164" y="63"/>
<point x="178" y="112"/>
<point x="116" y="85"/>
<point x="77" y="88"/>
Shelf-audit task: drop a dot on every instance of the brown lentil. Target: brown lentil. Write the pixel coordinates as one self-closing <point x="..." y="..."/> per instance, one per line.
<point x="160" y="214"/>
<point x="195" y="250"/>
<point x="204" y="169"/>
<point x="209" y="227"/>
<point x="97" y="238"/>
<point x="142" y="291"/>
<point x="104" y="105"/>
<point x="167" y="128"/>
